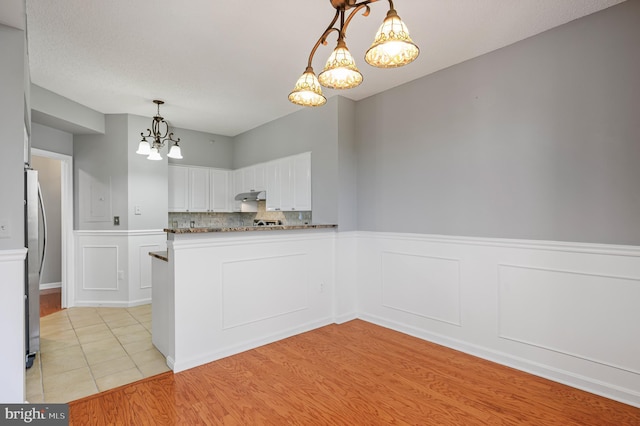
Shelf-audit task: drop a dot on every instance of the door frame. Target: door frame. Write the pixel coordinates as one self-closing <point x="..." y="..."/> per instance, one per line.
<point x="66" y="225"/>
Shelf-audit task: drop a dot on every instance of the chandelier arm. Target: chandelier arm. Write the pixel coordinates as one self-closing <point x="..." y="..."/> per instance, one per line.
<point x="357" y="7"/>
<point x="323" y="37"/>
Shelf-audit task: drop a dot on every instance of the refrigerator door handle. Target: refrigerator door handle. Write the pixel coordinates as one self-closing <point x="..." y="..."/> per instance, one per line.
<point x="44" y="231"/>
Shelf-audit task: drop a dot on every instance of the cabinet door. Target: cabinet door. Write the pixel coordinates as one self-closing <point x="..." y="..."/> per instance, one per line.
<point x="260" y="178"/>
<point x="302" y="182"/>
<point x="178" y="188"/>
<point x="219" y="190"/>
<point x="249" y="179"/>
<point x="272" y="175"/>
<point x="198" y="189"/>
<point x="238" y="188"/>
<point x="286" y="183"/>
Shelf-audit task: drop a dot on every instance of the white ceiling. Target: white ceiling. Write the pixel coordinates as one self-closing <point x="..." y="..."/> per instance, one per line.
<point x="225" y="67"/>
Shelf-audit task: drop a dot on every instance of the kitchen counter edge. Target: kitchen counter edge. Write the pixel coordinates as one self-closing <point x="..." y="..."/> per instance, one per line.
<point x="247" y="228"/>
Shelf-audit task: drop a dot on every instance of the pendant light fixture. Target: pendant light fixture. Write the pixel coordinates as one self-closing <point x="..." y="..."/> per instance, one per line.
<point x="159" y="134"/>
<point x="392" y="47"/>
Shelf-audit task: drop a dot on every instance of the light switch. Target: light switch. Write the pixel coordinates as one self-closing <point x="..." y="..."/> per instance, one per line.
<point x="116" y="220"/>
<point x="137" y="210"/>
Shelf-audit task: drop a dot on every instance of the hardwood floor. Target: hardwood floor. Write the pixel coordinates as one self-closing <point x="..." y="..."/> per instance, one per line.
<point x="351" y="374"/>
<point x="50" y="301"/>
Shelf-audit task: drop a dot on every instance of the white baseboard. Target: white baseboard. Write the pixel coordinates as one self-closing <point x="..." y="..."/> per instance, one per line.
<point x="110" y="304"/>
<point x="48" y="286"/>
<point x="204" y="358"/>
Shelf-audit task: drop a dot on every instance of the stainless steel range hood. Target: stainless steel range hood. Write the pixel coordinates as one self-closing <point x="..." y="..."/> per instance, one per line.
<point x="251" y="196"/>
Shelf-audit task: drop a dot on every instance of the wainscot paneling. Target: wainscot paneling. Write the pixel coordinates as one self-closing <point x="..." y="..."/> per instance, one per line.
<point x="283" y="280"/>
<point x="236" y="292"/>
<point x="567" y="312"/>
<point x="12" y="371"/>
<point x="582" y="306"/>
<point x="421" y="285"/>
<point x="113" y="268"/>
<point x="99" y="266"/>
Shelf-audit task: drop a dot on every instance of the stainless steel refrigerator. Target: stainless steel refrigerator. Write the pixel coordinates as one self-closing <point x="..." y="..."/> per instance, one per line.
<point x="36" y="242"/>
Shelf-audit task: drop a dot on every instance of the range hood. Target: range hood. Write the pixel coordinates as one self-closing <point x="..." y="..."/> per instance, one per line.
<point x="251" y="196"/>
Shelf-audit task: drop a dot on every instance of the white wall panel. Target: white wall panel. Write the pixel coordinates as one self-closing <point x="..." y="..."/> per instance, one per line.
<point x="564" y="311"/>
<point x="113" y="268"/>
<point x="262" y="288"/>
<point x="588" y="316"/>
<point x="12" y="360"/>
<point x="421" y="285"/>
<point x="236" y="291"/>
<point x="100" y="268"/>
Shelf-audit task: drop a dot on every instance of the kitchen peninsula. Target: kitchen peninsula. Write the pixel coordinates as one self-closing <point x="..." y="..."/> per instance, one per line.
<point x="223" y="290"/>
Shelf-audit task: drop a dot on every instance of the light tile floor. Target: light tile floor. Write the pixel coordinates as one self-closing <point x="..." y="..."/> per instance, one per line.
<point x="89" y="350"/>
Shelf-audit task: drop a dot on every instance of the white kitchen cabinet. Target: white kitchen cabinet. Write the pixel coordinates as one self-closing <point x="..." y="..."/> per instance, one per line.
<point x="219" y="199"/>
<point x="301" y="182"/>
<point x="260" y="178"/>
<point x="199" y="187"/>
<point x="288" y="183"/>
<point x="178" y="188"/>
<point x="272" y="175"/>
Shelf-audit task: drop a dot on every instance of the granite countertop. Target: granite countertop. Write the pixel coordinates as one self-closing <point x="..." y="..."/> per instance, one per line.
<point x="162" y="255"/>
<point x="247" y="228"/>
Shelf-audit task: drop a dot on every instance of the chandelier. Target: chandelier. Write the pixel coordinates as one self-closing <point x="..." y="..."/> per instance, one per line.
<point x="159" y="134"/>
<point x="392" y="47"/>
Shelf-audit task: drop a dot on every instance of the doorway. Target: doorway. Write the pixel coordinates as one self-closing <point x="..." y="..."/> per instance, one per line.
<point x="56" y="177"/>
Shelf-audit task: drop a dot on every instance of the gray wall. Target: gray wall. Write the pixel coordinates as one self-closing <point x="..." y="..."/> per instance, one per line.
<point x="311" y="129"/>
<point x="200" y="149"/>
<point x="147" y="182"/>
<point x="102" y="159"/>
<point x="538" y="140"/>
<point x="49" y="139"/>
<point x="12" y="119"/>
<point x="50" y="182"/>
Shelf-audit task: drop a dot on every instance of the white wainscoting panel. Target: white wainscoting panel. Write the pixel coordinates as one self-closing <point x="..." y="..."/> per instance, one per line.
<point x="113" y="268"/>
<point x="421" y="285"/>
<point x="144" y="264"/>
<point x="569" y="312"/>
<point x="582" y="306"/>
<point x="238" y="290"/>
<point x="12" y="360"/>
<point x="99" y="268"/>
<point x="262" y="288"/>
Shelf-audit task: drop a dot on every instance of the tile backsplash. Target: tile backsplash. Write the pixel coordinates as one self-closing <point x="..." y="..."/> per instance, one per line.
<point x="224" y="220"/>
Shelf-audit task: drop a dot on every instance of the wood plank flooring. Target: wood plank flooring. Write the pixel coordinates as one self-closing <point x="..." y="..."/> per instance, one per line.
<point x="50" y="301"/>
<point x="350" y="374"/>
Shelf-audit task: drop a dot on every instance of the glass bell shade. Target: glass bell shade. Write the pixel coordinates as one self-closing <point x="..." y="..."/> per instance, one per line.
<point x="340" y="71"/>
<point x="154" y="155"/>
<point x="307" y="91"/>
<point x="175" y="152"/>
<point x="392" y="46"/>
<point x="144" y="148"/>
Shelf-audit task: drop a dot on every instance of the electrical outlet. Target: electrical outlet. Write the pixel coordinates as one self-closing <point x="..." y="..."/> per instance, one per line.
<point x="116" y="220"/>
<point x="137" y="210"/>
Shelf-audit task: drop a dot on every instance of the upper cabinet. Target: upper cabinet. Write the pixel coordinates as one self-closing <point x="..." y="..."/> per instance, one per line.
<point x="198" y="189"/>
<point x="288" y="182"/>
<point x="219" y="198"/>
<point x="199" y="186"/>
<point x="178" y="188"/>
